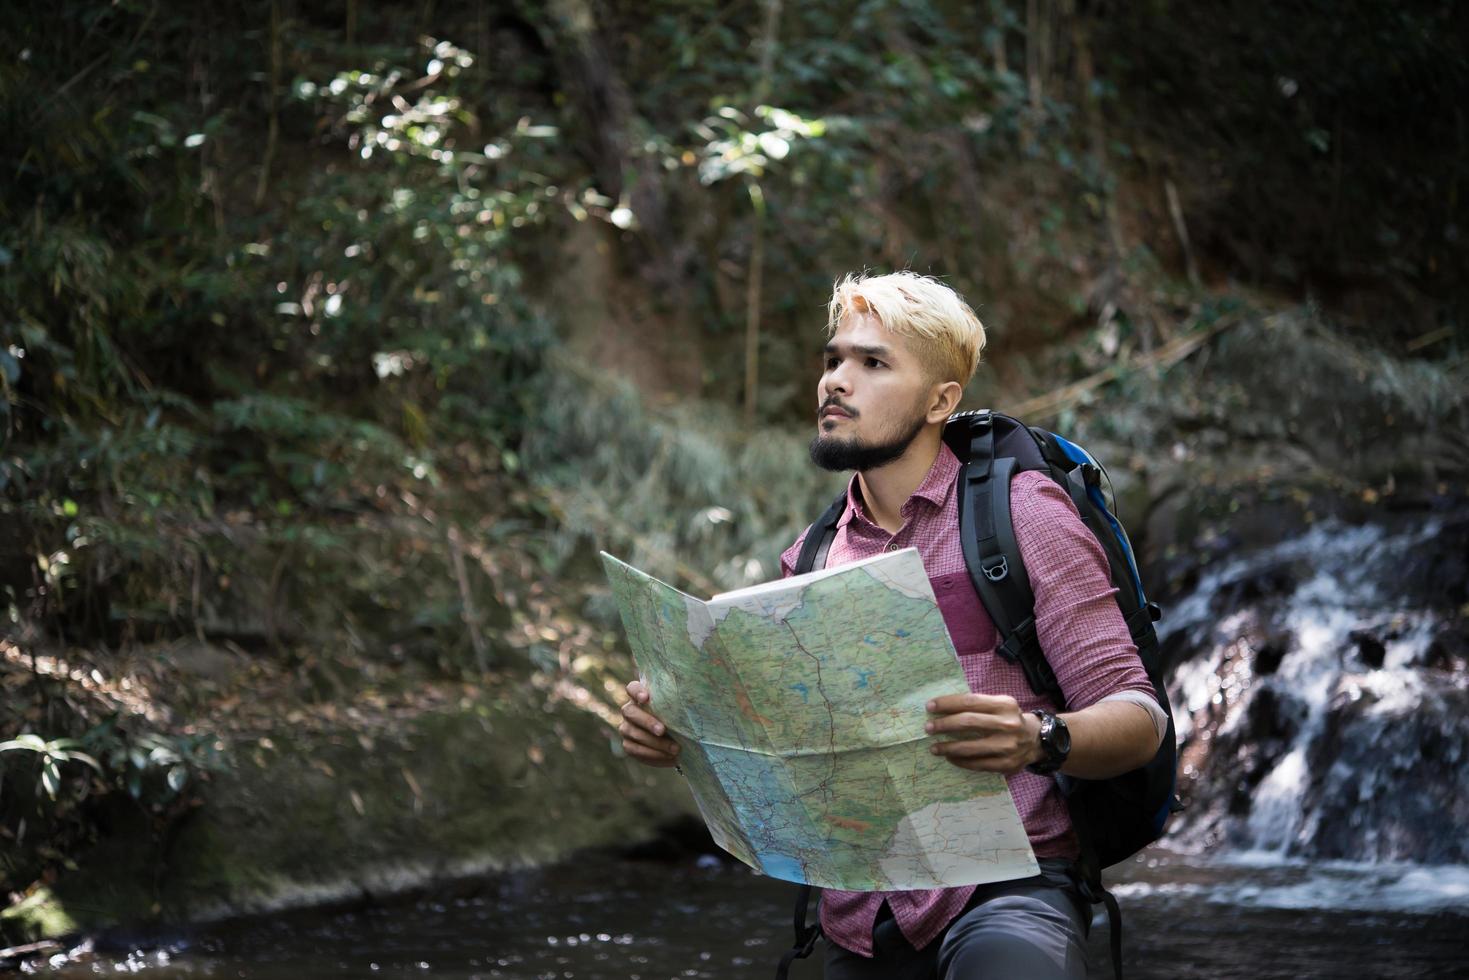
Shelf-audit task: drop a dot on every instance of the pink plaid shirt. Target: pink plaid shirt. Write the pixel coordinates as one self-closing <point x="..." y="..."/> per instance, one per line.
<point x="1080" y="628"/>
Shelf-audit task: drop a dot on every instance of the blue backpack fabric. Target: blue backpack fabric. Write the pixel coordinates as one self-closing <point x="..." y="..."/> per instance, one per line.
<point x="1113" y="818"/>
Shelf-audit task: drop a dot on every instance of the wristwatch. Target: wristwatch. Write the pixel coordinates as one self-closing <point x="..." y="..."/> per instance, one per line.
<point x="1055" y="743"/>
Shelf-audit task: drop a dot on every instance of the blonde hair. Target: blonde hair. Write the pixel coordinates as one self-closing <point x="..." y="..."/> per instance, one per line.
<point x="941" y="326"/>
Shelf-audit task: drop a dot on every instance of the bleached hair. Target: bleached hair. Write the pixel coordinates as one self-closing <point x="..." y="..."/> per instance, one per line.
<point x="943" y="329"/>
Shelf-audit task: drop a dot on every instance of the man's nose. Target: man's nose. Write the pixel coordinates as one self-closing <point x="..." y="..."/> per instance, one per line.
<point x="836" y="382"/>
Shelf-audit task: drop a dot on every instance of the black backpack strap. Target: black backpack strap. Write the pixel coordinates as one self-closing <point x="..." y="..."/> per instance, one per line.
<point x="1114" y="929"/>
<point x="806" y="936"/>
<point x="1088" y="874"/>
<point x="992" y="556"/>
<point x="819" y="537"/>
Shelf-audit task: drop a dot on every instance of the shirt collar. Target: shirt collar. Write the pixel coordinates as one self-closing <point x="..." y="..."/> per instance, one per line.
<point x="934" y="489"/>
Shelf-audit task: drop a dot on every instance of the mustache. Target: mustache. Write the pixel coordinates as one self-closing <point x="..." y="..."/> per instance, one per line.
<point x="833" y="401"/>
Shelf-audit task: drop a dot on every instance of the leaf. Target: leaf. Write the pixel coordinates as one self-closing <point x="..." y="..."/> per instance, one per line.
<point x="29" y="741"/>
<point x="177" y="777"/>
<point x="50" y="778"/>
<point x="84" y="758"/>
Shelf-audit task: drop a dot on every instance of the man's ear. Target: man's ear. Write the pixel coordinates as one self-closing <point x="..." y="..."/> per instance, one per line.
<point x="944" y="401"/>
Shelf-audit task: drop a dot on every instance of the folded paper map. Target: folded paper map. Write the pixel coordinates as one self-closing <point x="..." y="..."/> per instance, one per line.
<point x="799" y="706"/>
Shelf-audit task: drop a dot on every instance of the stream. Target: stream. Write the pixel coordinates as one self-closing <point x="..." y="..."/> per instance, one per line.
<point x="603" y="918"/>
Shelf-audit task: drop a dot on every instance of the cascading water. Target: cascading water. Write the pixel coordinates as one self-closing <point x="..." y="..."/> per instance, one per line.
<point x="1321" y="693"/>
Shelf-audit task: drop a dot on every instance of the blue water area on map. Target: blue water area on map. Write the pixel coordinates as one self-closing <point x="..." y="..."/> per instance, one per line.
<point x="767" y="807"/>
<point x="781" y="866"/>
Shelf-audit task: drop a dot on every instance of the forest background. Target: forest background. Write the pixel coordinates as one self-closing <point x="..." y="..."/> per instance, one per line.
<point x="336" y="338"/>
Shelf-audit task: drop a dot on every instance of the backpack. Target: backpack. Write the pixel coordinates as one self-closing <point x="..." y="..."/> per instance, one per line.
<point x="1113" y="818"/>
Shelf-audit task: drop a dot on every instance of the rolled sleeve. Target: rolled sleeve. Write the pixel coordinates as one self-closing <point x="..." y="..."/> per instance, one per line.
<point x="1078" y="622"/>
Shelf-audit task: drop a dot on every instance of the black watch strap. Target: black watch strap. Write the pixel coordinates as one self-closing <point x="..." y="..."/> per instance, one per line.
<point x="1055" y="743"/>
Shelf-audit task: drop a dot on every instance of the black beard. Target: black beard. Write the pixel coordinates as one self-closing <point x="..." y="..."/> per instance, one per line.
<point x="840" y="455"/>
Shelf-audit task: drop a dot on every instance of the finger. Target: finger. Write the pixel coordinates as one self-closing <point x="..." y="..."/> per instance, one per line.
<point x="968" y="701"/>
<point x="982" y="755"/>
<point x="639" y="692"/>
<point x="632" y="733"/>
<point x="645" y="727"/>
<point x="643" y="719"/>
<point x="974" y="748"/>
<point x="977" y="722"/>
<point x="647" y="756"/>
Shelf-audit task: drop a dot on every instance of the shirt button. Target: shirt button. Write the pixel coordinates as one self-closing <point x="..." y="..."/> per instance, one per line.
<point x="892" y="546"/>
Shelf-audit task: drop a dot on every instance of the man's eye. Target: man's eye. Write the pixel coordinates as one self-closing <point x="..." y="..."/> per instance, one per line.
<point x="831" y="362"/>
<point x="873" y="362"/>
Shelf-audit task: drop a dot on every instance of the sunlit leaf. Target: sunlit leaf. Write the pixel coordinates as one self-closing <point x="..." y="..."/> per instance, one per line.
<point x="177" y="777"/>
<point x="29" y="740"/>
<point x="74" y="756"/>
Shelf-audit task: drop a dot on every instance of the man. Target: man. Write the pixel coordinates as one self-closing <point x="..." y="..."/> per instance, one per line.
<point x="901" y="348"/>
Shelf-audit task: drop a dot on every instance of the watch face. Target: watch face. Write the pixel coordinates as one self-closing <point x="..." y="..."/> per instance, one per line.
<point x="1055" y="740"/>
<point x="1060" y="739"/>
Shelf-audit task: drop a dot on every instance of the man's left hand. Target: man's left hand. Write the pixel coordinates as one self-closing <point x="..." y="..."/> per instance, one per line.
<point x="984" y="732"/>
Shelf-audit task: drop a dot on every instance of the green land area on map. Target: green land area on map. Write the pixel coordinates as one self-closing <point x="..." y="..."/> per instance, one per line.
<point x="799" y="709"/>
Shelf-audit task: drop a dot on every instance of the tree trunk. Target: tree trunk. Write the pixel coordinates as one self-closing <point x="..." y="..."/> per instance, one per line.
<point x="600" y="125"/>
<point x="1096" y="128"/>
<point x="273" y="101"/>
<point x="768" y="37"/>
<point x="605" y="108"/>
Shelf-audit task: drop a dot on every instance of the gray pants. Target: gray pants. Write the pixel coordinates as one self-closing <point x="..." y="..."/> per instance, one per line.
<point x="1033" y="929"/>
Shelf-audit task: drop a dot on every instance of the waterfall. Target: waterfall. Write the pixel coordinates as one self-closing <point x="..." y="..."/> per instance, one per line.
<point x="1321" y="696"/>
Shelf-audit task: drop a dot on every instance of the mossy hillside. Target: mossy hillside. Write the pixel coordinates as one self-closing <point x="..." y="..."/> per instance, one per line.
<point x="340" y="815"/>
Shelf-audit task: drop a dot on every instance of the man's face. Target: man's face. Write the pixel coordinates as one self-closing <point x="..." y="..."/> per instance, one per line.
<point x="872" y="399"/>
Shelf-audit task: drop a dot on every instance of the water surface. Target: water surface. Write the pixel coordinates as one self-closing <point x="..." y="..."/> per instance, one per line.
<point x="602" y="918"/>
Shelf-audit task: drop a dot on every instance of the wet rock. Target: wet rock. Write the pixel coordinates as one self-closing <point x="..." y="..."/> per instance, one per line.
<point x="1272" y="717"/>
<point x="1270" y="650"/>
<point x="1371" y="649"/>
<point x="682" y="839"/>
<point x="1391" y="781"/>
<point x="1261" y="583"/>
<point x="1436" y="576"/>
<point x="1449" y="650"/>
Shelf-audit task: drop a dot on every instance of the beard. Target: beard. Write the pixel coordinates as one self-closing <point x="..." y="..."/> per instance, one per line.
<point x="840" y="455"/>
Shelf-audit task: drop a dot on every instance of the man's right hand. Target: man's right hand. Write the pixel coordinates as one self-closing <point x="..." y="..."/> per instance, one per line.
<point x="644" y="737"/>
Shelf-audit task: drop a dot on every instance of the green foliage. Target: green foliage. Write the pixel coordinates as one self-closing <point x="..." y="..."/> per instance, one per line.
<point x="52" y="789"/>
<point x="166" y="367"/>
<point x="50" y="755"/>
<point x="154" y="768"/>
